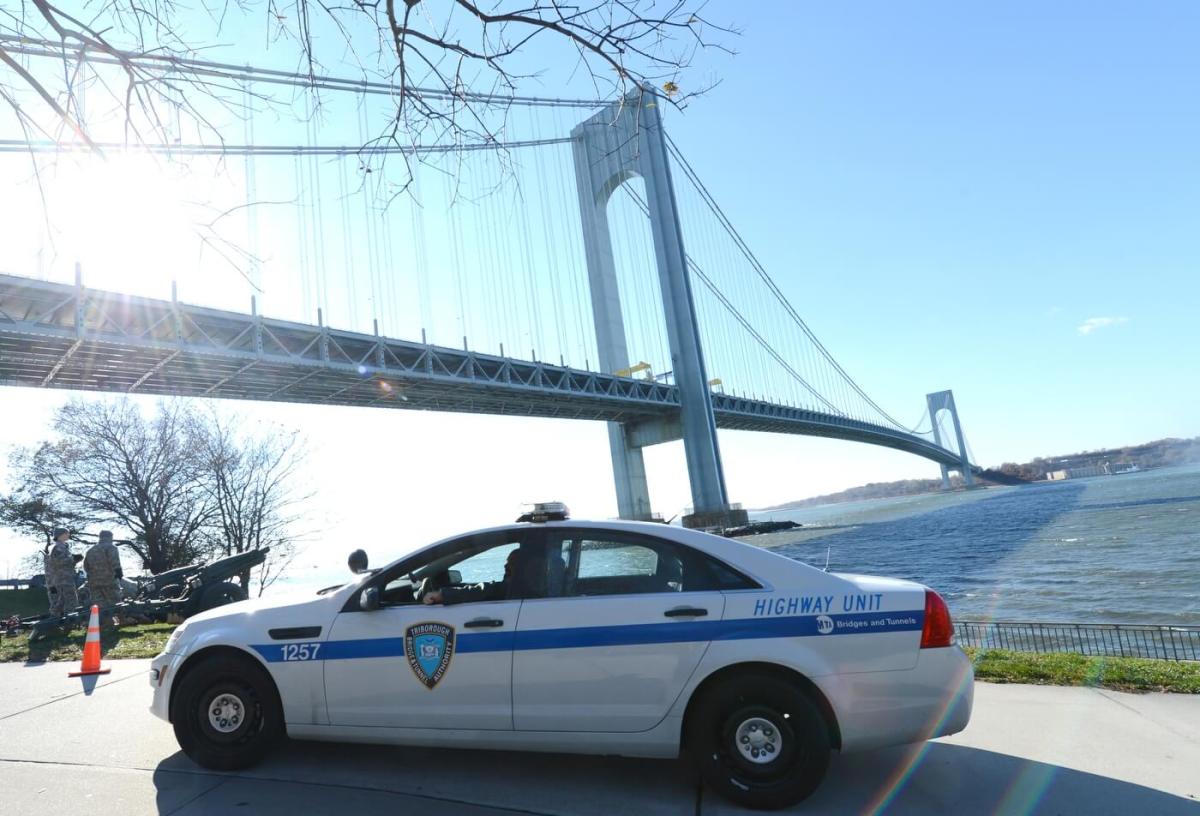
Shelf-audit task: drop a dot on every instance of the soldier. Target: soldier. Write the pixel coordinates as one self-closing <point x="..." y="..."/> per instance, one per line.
<point x="60" y="575"/>
<point x="103" y="566"/>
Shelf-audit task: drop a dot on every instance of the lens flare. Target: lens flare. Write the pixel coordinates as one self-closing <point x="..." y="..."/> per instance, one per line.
<point x="899" y="777"/>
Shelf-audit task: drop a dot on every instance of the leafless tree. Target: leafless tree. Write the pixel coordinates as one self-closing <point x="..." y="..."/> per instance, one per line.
<point x="28" y="510"/>
<point x="188" y="483"/>
<point x="110" y="464"/>
<point x="450" y="63"/>
<point x="251" y="481"/>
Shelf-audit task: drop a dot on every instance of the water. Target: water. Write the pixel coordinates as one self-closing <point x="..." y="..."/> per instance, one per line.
<point x="1113" y="549"/>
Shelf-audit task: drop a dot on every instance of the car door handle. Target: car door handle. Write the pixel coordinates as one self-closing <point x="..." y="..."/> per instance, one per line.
<point x="483" y="623"/>
<point x="686" y="612"/>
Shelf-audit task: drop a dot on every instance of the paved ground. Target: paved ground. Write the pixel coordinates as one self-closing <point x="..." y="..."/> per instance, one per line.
<point x="71" y="747"/>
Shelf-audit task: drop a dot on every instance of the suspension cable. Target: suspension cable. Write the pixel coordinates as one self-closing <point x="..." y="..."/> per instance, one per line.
<point x="49" y="146"/>
<point x="738" y="316"/>
<point x="758" y="267"/>
<point x="221" y="70"/>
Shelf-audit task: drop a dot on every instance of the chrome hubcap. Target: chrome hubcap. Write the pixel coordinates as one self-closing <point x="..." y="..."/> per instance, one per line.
<point x="758" y="740"/>
<point x="225" y="713"/>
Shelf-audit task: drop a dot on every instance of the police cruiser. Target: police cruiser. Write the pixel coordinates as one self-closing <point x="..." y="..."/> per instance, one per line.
<point x="559" y="635"/>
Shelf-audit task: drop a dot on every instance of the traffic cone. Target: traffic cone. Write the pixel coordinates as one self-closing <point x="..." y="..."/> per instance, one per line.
<point x="91" y="648"/>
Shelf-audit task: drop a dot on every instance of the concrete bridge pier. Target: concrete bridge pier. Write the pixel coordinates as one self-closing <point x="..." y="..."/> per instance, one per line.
<point x="624" y="140"/>
<point x="944" y="401"/>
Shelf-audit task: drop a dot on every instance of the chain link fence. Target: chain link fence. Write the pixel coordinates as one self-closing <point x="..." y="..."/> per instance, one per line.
<point x="1099" y="639"/>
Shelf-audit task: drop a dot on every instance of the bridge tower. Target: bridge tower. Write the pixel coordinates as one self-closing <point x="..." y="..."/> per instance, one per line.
<point x="944" y="401"/>
<point x="624" y="140"/>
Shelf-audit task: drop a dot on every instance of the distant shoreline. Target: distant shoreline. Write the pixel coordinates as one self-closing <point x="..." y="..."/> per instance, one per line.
<point x="1148" y="456"/>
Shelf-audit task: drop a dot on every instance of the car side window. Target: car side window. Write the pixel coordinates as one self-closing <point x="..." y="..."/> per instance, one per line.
<point x="611" y="559"/>
<point x="486" y="566"/>
<point x="604" y="563"/>
<point x="473" y="560"/>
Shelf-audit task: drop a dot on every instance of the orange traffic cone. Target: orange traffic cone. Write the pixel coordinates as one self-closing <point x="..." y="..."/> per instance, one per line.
<point x="91" y="648"/>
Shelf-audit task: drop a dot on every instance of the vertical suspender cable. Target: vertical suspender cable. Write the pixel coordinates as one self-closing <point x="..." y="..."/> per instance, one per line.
<point x="417" y="218"/>
<point x="389" y="262"/>
<point x="301" y="238"/>
<point x="582" y="307"/>
<point x="368" y="225"/>
<point x="318" y="225"/>
<point x="456" y="229"/>
<point x="251" y="193"/>
<point x="532" y="290"/>
<point x="481" y="278"/>
<point x="348" y="243"/>
<point x="552" y="269"/>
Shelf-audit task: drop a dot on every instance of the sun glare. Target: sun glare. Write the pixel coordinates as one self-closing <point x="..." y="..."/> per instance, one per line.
<point x="134" y="222"/>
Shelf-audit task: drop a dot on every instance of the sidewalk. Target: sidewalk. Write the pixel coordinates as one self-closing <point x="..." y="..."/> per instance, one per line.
<point x="66" y="746"/>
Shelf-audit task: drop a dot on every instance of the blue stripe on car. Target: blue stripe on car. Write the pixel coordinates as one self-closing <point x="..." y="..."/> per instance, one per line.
<point x="577" y="637"/>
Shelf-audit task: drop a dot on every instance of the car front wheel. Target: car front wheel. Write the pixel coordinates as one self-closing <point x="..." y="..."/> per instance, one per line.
<point x="226" y="713"/>
<point x="758" y="740"/>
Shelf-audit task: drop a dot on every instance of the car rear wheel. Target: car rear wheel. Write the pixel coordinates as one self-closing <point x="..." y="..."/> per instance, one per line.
<point x="226" y="713"/>
<point x="758" y="740"/>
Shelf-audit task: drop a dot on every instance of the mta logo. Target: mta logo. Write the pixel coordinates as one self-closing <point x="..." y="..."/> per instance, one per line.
<point x="429" y="648"/>
<point x="824" y="624"/>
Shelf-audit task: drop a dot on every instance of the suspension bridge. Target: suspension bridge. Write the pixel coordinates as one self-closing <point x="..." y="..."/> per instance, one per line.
<point x="577" y="268"/>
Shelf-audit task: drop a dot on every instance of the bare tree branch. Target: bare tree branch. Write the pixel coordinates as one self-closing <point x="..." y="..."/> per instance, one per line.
<point x="456" y="66"/>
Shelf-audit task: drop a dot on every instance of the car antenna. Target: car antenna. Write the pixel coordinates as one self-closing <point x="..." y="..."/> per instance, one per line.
<point x="828" y="549"/>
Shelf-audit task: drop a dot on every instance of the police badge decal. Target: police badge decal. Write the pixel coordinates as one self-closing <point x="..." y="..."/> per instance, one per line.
<point x="429" y="647"/>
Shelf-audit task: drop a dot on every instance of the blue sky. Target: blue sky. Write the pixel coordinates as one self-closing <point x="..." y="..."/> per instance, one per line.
<point x="948" y="193"/>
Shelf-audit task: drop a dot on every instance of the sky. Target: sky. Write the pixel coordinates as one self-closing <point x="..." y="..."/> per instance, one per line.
<point x="999" y="200"/>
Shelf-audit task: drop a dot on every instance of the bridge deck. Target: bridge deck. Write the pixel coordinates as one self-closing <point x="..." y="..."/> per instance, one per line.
<point x="56" y="335"/>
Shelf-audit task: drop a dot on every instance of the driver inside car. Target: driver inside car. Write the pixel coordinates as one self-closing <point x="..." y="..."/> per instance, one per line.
<point x="519" y="563"/>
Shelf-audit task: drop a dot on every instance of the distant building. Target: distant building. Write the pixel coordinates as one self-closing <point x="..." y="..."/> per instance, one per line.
<point x="1079" y="472"/>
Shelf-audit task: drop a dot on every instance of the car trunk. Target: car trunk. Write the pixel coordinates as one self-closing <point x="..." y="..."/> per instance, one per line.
<point x="888" y="611"/>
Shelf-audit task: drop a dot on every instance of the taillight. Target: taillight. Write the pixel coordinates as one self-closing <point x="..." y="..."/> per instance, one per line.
<point x="939" y="629"/>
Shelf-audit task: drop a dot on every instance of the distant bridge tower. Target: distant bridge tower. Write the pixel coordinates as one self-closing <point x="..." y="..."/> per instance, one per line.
<point x="944" y="401"/>
<point x="624" y="140"/>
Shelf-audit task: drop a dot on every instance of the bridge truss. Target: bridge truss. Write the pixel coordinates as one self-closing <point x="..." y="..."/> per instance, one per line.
<point x="55" y="335"/>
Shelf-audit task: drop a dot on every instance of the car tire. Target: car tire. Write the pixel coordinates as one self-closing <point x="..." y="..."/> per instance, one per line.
<point x="759" y="740"/>
<point x="226" y="713"/>
<point x="214" y="595"/>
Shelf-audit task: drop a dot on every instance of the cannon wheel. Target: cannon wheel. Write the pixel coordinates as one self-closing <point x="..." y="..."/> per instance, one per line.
<point x="171" y="592"/>
<point x="215" y="595"/>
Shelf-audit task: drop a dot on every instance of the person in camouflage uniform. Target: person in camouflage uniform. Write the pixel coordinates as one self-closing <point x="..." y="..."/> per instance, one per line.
<point x="60" y="575"/>
<point x="103" y="567"/>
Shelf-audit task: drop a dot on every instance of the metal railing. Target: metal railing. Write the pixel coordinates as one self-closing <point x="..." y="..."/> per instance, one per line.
<point x="1093" y="639"/>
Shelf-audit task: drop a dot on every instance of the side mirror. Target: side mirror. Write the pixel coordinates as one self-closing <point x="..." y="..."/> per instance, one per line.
<point x="455" y="577"/>
<point x="357" y="562"/>
<point x="369" y="600"/>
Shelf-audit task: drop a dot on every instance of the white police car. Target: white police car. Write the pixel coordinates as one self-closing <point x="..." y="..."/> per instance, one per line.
<point x="603" y="638"/>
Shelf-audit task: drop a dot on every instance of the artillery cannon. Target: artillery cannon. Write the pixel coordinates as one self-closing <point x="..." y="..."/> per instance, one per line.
<point x="179" y="593"/>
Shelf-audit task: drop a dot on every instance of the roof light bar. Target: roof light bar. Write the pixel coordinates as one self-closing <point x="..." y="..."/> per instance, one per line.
<point x="546" y="511"/>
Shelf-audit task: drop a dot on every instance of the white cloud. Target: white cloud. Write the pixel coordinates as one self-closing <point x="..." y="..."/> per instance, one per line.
<point x="1092" y="323"/>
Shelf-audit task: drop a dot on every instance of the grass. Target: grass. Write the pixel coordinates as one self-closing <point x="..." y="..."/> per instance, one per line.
<point x="991" y="665"/>
<point x="1058" y="669"/>
<point x="24" y="603"/>
<point x="144" y="640"/>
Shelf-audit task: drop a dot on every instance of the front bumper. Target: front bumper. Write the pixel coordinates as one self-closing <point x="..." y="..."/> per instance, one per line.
<point x="163" y="670"/>
<point x="932" y="699"/>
